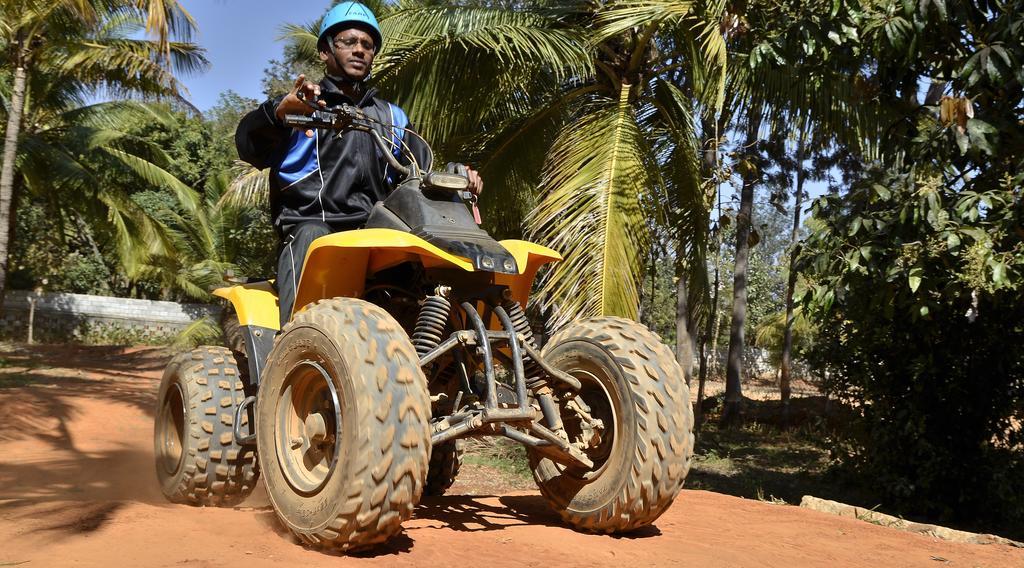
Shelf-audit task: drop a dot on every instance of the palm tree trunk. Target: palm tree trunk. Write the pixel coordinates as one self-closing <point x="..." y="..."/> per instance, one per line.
<point x="710" y="166"/>
<point x="711" y="330"/>
<point x="714" y="366"/>
<point x="787" y="337"/>
<point x="10" y="154"/>
<point x="734" y="368"/>
<point x="684" y="340"/>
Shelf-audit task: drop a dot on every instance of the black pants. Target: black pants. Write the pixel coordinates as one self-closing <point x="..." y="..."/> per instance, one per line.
<point x="294" y="246"/>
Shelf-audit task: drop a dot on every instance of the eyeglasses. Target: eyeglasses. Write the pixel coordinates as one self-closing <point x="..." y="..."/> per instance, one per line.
<point x="350" y="43"/>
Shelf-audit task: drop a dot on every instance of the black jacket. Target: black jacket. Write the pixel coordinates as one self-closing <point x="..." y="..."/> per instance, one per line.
<point x="335" y="179"/>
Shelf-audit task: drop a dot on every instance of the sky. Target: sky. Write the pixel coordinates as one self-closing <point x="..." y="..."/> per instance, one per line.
<point x="240" y="37"/>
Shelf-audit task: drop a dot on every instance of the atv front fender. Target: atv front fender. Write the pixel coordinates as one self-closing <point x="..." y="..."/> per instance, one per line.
<point x="338" y="264"/>
<point x="529" y="258"/>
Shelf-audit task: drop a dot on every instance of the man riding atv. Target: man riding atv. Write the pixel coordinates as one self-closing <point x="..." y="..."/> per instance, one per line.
<point x="402" y="337"/>
<point x="322" y="183"/>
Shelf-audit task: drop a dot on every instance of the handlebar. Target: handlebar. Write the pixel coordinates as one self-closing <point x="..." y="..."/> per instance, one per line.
<point x="348" y="117"/>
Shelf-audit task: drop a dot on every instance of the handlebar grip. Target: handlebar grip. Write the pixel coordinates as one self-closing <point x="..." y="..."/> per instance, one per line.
<point x="457" y="169"/>
<point x="304" y="122"/>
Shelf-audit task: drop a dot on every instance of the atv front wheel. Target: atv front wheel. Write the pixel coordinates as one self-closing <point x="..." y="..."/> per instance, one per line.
<point x="197" y="459"/>
<point x="343" y="425"/>
<point x="632" y="383"/>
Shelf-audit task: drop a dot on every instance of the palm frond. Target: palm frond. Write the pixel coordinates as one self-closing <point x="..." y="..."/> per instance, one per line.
<point x="621" y="16"/>
<point x="302" y="38"/>
<point x="590" y="211"/>
<point x="167" y="19"/>
<point x="771" y="332"/>
<point x="503" y="51"/>
<point x="157" y="176"/>
<point x="511" y="156"/>
<point x="203" y="331"/>
<point x="128" y="66"/>
<point x="687" y="200"/>
<point x="111" y="115"/>
<point x="249" y="186"/>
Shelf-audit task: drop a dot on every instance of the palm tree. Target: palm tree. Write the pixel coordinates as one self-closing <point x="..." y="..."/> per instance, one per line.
<point x="67" y="160"/>
<point x="204" y="244"/>
<point x="87" y="45"/>
<point x="792" y="62"/>
<point x="571" y="113"/>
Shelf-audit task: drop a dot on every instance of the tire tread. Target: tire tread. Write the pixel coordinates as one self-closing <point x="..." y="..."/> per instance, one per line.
<point x="235" y="472"/>
<point x="392" y="455"/>
<point x="664" y="426"/>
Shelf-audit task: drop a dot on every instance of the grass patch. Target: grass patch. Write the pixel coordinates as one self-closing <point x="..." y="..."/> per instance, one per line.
<point x="16" y="357"/>
<point x="504" y="455"/>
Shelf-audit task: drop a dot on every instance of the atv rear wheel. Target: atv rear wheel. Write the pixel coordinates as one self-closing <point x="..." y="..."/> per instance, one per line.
<point x="197" y="460"/>
<point x="343" y="425"/>
<point x="633" y="384"/>
<point x="445" y="463"/>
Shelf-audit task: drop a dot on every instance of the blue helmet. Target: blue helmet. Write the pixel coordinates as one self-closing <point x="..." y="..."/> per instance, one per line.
<point x="351" y="13"/>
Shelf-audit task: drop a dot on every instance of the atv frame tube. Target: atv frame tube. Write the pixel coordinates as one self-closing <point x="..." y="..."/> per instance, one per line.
<point x="493" y="420"/>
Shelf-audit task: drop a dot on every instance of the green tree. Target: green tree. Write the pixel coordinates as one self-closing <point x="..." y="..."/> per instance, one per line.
<point x="62" y="51"/>
<point x="917" y="296"/>
<point x="206" y="243"/>
<point x="791" y="62"/>
<point x="914" y="274"/>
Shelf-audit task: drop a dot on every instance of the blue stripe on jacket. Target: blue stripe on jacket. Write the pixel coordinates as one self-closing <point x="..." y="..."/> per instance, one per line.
<point x="301" y="160"/>
<point x="399" y="120"/>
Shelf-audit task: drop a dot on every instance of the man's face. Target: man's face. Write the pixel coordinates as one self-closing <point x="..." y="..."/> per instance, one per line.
<point x="353" y="51"/>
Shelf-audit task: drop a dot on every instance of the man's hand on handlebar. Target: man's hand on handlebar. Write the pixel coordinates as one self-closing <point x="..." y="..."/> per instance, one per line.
<point x="476" y="185"/>
<point x="293" y="102"/>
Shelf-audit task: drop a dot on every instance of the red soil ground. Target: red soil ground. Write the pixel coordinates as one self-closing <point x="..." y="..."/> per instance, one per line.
<point x="78" y="488"/>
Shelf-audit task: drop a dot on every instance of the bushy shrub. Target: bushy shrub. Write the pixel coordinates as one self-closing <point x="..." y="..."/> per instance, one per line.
<point x="916" y="286"/>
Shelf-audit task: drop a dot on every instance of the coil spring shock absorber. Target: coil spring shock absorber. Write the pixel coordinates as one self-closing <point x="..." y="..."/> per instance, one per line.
<point x="431" y="322"/>
<point x="535" y="376"/>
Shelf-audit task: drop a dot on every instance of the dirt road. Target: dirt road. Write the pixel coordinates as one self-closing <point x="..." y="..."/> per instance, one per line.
<point x="77" y="488"/>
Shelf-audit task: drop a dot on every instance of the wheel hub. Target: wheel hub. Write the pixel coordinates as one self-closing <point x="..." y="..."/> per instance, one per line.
<point x="590" y="420"/>
<point x="308" y="427"/>
<point x="315" y="429"/>
<point x="171" y="432"/>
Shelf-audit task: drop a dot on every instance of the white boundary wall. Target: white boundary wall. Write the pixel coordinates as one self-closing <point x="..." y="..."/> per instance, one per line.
<point x="78" y="316"/>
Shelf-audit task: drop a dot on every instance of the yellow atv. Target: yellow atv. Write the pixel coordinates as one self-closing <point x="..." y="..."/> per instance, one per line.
<point x="406" y="337"/>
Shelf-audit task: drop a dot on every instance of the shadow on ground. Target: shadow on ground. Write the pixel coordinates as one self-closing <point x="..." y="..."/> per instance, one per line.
<point x="57" y="471"/>
<point x="479" y="514"/>
<point x="459" y="513"/>
<point x="773" y="456"/>
<point x="38" y="382"/>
